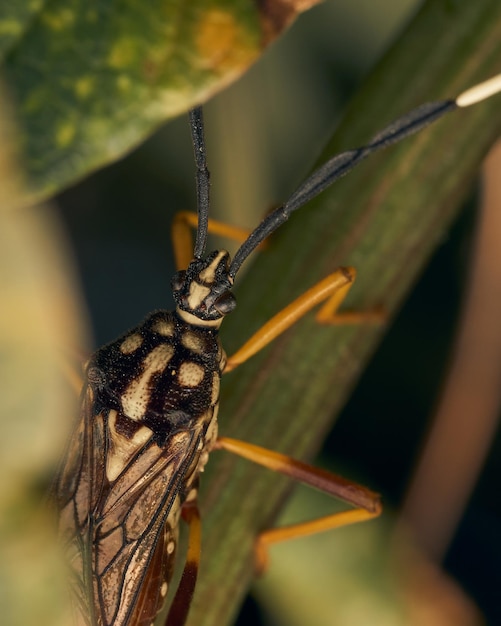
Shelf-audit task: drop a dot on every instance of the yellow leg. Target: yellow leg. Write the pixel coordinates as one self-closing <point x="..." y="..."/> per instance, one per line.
<point x="367" y="503"/>
<point x="182" y="239"/>
<point x="332" y="290"/>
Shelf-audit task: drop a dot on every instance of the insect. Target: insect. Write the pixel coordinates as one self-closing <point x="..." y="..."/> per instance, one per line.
<point x="149" y="413"/>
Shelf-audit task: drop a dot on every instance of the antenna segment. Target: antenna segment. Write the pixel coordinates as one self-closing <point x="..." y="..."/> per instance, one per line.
<point x="341" y="164"/>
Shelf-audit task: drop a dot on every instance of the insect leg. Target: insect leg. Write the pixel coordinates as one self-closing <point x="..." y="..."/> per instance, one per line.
<point x="366" y="503"/>
<point x="182" y="239"/>
<point x="180" y="606"/>
<point x="332" y="290"/>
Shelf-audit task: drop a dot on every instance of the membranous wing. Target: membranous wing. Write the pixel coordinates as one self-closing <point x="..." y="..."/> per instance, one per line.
<point x="119" y="497"/>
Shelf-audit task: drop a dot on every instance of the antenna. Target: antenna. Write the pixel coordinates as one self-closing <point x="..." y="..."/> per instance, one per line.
<point x="202" y="180"/>
<point x="339" y="165"/>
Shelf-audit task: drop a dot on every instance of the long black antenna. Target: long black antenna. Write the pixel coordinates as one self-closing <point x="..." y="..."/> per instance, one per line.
<point x="202" y="180"/>
<point x="342" y="163"/>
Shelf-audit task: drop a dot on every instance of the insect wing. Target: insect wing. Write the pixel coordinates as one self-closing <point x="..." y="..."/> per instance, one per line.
<point x="119" y="504"/>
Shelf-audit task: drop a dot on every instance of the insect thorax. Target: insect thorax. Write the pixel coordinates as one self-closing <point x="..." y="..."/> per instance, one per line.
<point x="163" y="375"/>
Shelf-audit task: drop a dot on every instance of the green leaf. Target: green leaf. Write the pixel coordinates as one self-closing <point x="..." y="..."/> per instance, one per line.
<point x="40" y="320"/>
<point x="91" y="80"/>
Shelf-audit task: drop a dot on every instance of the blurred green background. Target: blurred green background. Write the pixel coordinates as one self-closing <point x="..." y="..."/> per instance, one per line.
<point x="263" y="134"/>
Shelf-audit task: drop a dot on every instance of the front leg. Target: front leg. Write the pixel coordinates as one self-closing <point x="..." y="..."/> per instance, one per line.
<point x="332" y="290"/>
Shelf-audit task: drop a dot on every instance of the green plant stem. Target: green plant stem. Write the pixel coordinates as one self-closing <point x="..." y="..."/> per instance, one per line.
<point x="386" y="218"/>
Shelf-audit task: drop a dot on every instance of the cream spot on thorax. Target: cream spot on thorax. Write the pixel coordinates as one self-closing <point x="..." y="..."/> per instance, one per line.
<point x="193" y="342"/>
<point x="163" y="327"/>
<point x="190" y="374"/>
<point x="131" y="343"/>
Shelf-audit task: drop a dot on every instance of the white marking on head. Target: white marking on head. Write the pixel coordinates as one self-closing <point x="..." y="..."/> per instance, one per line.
<point x="197" y="295"/>
<point x="190" y="374"/>
<point x="131" y="343"/>
<point x="163" y="589"/>
<point x="208" y="274"/>
<point x="171" y="546"/>
<point x="137" y="395"/>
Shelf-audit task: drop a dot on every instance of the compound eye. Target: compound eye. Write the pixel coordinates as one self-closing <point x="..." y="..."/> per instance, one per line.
<point x="178" y="280"/>
<point x="225" y="303"/>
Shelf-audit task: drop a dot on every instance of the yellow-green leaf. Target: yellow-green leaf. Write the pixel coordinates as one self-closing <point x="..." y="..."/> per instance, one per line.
<point x="91" y="80"/>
